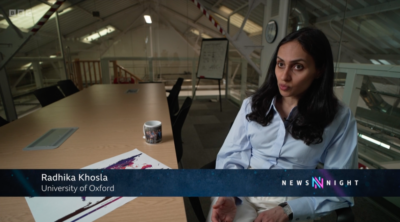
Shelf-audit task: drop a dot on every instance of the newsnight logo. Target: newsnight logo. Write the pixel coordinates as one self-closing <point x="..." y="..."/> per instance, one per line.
<point x="318" y="183"/>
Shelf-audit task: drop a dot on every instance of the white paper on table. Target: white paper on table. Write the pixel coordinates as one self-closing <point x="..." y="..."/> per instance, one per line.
<point x="54" y="208"/>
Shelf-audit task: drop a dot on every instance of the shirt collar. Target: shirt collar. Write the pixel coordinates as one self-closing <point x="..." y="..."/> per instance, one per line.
<point x="272" y="105"/>
<point x="292" y="113"/>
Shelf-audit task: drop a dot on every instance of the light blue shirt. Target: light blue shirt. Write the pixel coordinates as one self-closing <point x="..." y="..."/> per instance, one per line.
<point x="249" y="144"/>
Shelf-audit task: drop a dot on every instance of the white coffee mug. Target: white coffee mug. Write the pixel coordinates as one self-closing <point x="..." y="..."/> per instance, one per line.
<point x="152" y="131"/>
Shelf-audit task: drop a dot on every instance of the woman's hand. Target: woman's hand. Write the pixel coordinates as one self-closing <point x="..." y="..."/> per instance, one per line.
<point x="275" y="214"/>
<point x="224" y="210"/>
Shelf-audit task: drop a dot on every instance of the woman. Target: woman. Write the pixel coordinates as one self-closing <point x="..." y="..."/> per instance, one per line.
<point x="294" y="121"/>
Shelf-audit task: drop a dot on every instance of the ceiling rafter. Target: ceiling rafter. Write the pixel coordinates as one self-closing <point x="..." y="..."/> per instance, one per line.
<point x="313" y="11"/>
<point x="363" y="3"/>
<point x="386" y="20"/>
<point x="315" y="5"/>
<point x="216" y="3"/>
<point x="201" y="15"/>
<point x="383" y="56"/>
<point x="89" y="13"/>
<point x="194" y="47"/>
<point x="105" y="21"/>
<point x="388" y="6"/>
<point x="188" y="21"/>
<point x="344" y="3"/>
<point x="370" y="33"/>
<point x="117" y="37"/>
<point x="387" y="31"/>
<point x="214" y="10"/>
<point x="360" y="36"/>
<point x="356" y="40"/>
<point x="331" y="5"/>
<point x="347" y="49"/>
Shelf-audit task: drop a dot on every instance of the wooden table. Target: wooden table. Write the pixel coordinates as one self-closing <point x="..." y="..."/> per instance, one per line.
<point x="110" y="123"/>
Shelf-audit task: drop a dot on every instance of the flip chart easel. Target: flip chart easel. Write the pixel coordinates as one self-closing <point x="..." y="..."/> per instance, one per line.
<point x="212" y="62"/>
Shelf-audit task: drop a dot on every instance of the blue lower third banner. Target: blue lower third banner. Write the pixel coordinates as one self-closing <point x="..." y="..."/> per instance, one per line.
<point x="199" y="182"/>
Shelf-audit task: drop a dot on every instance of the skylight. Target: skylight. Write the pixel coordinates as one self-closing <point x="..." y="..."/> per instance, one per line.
<point x="147" y="18"/>
<point x="25" y="19"/>
<point x="99" y="33"/>
<point x="237" y="20"/>
<point x="375" y="62"/>
<point x="27" y="65"/>
<point x="374" y="141"/>
<point x="196" y="32"/>
<point x="384" y="62"/>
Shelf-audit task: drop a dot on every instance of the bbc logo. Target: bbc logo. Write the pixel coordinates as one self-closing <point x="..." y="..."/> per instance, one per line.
<point x="19" y="12"/>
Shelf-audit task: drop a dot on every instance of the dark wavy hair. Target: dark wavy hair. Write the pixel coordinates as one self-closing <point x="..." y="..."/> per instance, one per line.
<point x="318" y="106"/>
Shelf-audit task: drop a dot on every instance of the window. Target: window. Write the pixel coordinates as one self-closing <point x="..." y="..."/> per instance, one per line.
<point x="99" y="33"/>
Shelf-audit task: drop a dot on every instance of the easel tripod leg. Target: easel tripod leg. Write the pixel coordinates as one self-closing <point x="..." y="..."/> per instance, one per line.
<point x="195" y="89"/>
<point x="220" y="101"/>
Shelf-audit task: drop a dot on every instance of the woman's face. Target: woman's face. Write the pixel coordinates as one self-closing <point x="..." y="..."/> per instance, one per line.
<point x="295" y="70"/>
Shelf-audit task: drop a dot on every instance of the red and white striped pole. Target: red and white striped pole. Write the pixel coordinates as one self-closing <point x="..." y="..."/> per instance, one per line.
<point x="24" y="38"/>
<point x="209" y="17"/>
<point x="46" y="16"/>
<point x="234" y="42"/>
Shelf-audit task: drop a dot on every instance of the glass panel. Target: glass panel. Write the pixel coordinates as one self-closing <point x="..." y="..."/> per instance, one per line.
<point x="2" y="110"/>
<point x="22" y="82"/>
<point x="166" y="70"/>
<point x="45" y="42"/>
<point x="243" y="78"/>
<point x="372" y="39"/>
<point x="361" y="42"/>
<point x="38" y="62"/>
<point x="234" y="80"/>
<point x="378" y="117"/>
<point x="253" y="79"/>
<point x="366" y="39"/>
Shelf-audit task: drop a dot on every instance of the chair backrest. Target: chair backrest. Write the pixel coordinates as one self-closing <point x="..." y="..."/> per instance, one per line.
<point x="179" y="82"/>
<point x="3" y="121"/>
<point x="67" y="87"/>
<point x="48" y="95"/>
<point x="173" y="96"/>
<point x="173" y="101"/>
<point x="177" y="127"/>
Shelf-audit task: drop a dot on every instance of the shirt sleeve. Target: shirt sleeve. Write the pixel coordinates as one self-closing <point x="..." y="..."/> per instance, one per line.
<point x="341" y="153"/>
<point x="235" y="153"/>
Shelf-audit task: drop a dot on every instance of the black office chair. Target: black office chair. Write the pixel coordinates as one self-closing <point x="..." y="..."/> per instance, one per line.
<point x="178" y="82"/>
<point x="177" y="127"/>
<point x="3" y="121"/>
<point x="342" y="215"/>
<point x="48" y="95"/>
<point x="67" y="87"/>
<point x="173" y="103"/>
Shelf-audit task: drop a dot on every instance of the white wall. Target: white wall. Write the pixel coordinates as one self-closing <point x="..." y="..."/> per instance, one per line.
<point x="166" y="43"/>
